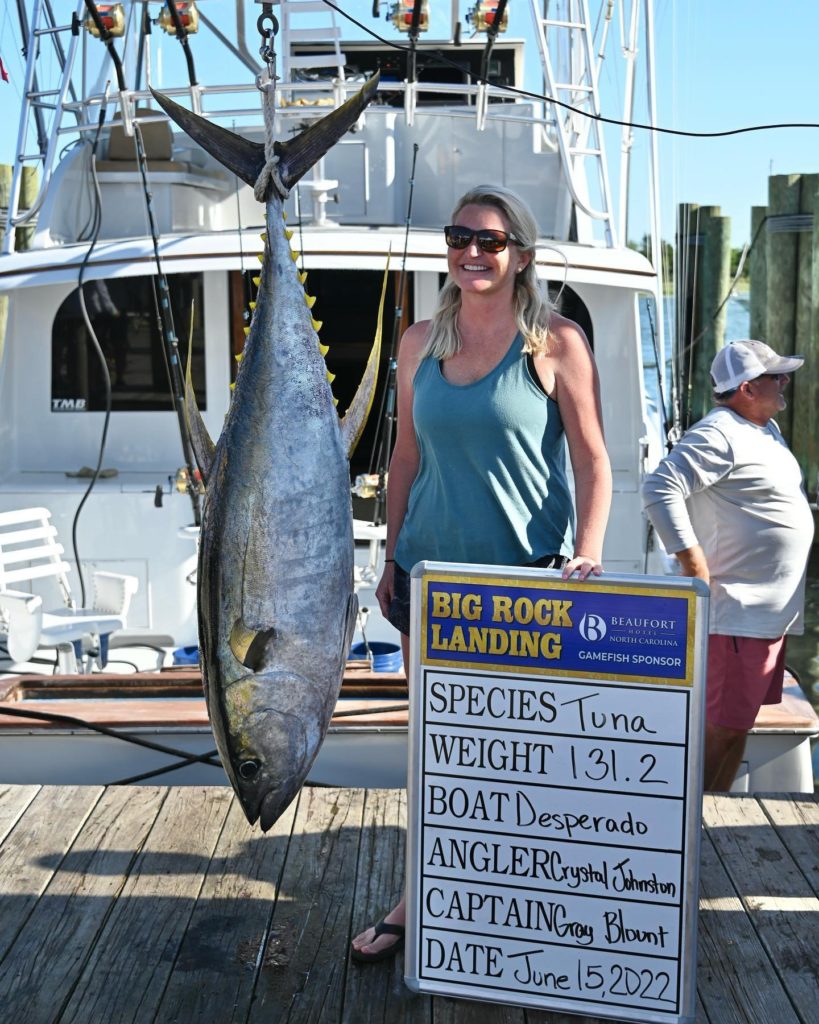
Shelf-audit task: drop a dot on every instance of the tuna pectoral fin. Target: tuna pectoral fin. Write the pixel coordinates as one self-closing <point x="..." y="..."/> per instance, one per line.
<point x="203" y="446"/>
<point x="245" y="158"/>
<point x="249" y="646"/>
<point x="297" y="155"/>
<point x="355" y="419"/>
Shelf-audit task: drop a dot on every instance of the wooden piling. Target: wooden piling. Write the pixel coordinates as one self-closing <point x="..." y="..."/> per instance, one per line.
<point x="758" y="274"/>
<point x="805" y="386"/>
<point x="29" y="187"/>
<point x="782" y="260"/>
<point x="704" y="254"/>
<point x="801" y="411"/>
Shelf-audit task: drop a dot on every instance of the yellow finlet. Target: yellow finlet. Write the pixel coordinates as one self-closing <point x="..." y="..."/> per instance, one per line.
<point x="294" y="255"/>
<point x="324" y="349"/>
<point x="310" y="300"/>
<point x="257" y="281"/>
<point x="317" y="325"/>
<point x="260" y="257"/>
<point x="251" y="306"/>
<point x="239" y="357"/>
<point x="331" y="376"/>
<point x="303" y="276"/>
<point x="263" y="236"/>
<point x="288" y="234"/>
<point x="246" y="330"/>
<point x="233" y="387"/>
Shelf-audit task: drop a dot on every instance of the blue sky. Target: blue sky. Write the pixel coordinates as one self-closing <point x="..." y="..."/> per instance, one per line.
<point x="721" y="64"/>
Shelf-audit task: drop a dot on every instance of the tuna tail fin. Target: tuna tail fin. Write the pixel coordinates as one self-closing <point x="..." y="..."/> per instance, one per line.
<point x="201" y="442"/>
<point x="355" y="419"/>
<point x="247" y="159"/>
<point x="297" y="155"/>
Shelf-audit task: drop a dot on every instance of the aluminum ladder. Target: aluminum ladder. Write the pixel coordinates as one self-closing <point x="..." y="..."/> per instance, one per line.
<point x="567" y="51"/>
<point x="299" y="24"/>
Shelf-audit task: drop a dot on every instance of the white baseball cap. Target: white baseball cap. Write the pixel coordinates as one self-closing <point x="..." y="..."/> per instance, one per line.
<point x="747" y="360"/>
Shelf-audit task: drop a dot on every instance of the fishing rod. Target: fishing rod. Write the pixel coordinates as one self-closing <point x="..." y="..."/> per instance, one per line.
<point x="182" y="35"/>
<point x="106" y="36"/>
<point x="164" y="316"/>
<point x="492" y="29"/>
<point x="382" y="446"/>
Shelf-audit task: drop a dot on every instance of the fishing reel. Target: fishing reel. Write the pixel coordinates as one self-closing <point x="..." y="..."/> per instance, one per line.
<point x="110" y="21"/>
<point x="187" y="16"/>
<point x="489" y="16"/>
<point x="403" y="13"/>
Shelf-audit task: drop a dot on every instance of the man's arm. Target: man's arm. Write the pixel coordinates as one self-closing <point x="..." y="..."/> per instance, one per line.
<point x="693" y="563"/>
<point x="699" y="461"/>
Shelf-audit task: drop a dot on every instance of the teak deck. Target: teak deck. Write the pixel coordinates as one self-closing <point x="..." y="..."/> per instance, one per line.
<point x="143" y="904"/>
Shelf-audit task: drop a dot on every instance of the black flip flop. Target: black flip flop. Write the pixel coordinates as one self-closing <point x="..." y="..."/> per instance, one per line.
<point x="382" y="928"/>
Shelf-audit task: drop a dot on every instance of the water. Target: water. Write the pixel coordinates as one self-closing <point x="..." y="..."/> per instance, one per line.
<point x="803" y="651"/>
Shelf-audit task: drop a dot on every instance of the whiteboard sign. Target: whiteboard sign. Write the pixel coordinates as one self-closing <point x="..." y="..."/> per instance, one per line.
<point x="555" y="789"/>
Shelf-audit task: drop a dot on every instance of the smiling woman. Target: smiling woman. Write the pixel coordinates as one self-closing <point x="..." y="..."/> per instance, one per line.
<point x="489" y="390"/>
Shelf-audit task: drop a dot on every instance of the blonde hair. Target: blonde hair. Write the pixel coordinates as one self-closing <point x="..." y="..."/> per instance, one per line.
<point x="532" y="308"/>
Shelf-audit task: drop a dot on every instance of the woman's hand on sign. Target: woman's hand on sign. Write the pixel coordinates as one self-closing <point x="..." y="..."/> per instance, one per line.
<point x="584" y="566"/>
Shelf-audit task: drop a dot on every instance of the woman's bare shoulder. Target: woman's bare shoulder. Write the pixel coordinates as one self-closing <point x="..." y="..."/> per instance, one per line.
<point x="415" y="335"/>
<point x="566" y="334"/>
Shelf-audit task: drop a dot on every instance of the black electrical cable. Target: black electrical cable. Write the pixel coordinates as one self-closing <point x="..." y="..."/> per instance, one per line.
<point x="106" y="376"/>
<point x="78" y="723"/>
<point x="438" y="55"/>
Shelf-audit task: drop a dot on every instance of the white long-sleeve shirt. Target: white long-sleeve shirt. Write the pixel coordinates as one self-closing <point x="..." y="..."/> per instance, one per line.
<point x="735" y="488"/>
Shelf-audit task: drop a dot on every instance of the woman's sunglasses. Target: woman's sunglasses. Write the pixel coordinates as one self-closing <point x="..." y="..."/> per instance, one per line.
<point x="488" y="239"/>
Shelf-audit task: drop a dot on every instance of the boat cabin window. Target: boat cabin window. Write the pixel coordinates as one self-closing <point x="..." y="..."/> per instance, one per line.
<point x="123" y="313"/>
<point x="573" y="308"/>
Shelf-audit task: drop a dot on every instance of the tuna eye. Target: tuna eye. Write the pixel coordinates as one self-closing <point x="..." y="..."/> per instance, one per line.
<point x="249" y="769"/>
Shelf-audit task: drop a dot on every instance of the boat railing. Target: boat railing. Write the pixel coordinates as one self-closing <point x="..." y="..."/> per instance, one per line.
<point x="299" y="105"/>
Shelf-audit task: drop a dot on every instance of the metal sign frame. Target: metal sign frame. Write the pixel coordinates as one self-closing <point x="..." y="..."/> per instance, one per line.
<point x="555" y="789"/>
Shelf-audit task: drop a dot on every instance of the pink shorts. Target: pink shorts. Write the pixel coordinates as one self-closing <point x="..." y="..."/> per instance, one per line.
<point x="744" y="672"/>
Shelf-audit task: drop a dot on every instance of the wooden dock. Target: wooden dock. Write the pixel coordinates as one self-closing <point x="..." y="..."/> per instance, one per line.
<point x="156" y="904"/>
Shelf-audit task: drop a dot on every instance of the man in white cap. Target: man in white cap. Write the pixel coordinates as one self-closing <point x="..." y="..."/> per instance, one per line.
<point x="729" y="502"/>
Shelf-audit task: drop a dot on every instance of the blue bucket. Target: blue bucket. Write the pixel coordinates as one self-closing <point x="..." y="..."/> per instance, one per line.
<point x="386" y="657"/>
<point x="186" y="656"/>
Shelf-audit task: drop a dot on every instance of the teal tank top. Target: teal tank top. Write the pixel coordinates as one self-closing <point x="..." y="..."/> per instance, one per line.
<point x="491" y="485"/>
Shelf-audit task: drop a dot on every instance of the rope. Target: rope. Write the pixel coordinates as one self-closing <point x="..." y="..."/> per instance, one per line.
<point x="269" y="172"/>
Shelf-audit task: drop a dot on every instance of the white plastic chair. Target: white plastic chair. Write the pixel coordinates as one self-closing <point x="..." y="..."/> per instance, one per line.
<point x="29" y="550"/>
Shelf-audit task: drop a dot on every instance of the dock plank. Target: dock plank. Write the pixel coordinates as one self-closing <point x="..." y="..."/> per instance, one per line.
<point x="735" y="981"/>
<point x="796" y="820"/>
<point x="220" y="956"/>
<point x="152" y="905"/>
<point x="34" y="849"/>
<point x="779" y="902"/>
<point x="57" y="938"/>
<point x="374" y="996"/>
<point x="13" y="803"/>
<point x="127" y="972"/>
<point x="303" y="965"/>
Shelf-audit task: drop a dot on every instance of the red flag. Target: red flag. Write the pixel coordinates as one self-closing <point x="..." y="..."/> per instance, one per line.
<point x="3" y="73"/>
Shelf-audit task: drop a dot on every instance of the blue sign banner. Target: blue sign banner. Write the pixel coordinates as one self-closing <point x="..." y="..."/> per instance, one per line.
<point x="557" y="628"/>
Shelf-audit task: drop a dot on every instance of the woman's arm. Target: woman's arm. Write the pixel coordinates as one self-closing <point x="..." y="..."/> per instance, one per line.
<point x="577" y="392"/>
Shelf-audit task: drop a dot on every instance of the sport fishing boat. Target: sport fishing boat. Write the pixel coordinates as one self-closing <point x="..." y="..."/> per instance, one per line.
<point x="138" y="245"/>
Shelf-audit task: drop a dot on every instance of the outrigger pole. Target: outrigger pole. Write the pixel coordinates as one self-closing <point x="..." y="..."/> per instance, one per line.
<point x="382" y="447"/>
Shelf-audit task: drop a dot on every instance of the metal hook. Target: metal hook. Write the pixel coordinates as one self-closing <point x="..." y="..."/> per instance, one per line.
<point x="266" y="50"/>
